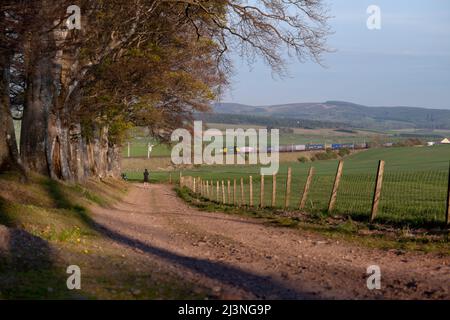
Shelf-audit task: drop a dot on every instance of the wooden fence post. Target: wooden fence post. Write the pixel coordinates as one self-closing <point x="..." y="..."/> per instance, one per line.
<point x="261" y="195"/>
<point x="274" y="190"/>
<point x="181" y="175"/>
<point x="217" y="191"/>
<point x="447" y="214"/>
<point x="251" y="191"/>
<point x="195" y="185"/>
<point x="211" y="183"/>
<point x="228" y="191"/>
<point x="307" y="186"/>
<point x="170" y="178"/>
<point x="337" y="180"/>
<point x="128" y="150"/>
<point x="377" y="191"/>
<point x="288" y="188"/>
<point x="207" y="189"/>
<point x="241" y="201"/>
<point x="234" y="192"/>
<point x="223" y="192"/>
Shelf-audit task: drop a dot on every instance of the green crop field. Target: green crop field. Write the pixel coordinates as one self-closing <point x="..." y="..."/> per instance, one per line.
<point x="139" y="145"/>
<point x="414" y="188"/>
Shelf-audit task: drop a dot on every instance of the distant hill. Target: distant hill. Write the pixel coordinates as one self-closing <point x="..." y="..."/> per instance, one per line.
<point x="267" y="121"/>
<point x="354" y="115"/>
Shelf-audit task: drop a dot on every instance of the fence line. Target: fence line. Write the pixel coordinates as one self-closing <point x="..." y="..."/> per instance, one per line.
<point x="419" y="196"/>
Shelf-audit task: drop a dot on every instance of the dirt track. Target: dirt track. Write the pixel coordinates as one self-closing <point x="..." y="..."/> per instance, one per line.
<point x="242" y="258"/>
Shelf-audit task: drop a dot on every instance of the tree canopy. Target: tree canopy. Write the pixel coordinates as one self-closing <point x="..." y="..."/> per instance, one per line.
<point x="132" y="63"/>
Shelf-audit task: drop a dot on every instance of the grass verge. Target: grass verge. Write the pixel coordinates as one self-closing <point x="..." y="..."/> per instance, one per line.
<point x="46" y="226"/>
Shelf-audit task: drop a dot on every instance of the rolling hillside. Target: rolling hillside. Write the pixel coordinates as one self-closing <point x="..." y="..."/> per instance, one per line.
<point x="354" y="115"/>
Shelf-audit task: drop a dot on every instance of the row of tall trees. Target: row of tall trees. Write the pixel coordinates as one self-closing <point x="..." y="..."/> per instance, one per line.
<point x="133" y="62"/>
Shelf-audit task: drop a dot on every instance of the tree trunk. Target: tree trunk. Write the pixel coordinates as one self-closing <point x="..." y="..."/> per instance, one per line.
<point x="113" y="160"/>
<point x="46" y="146"/>
<point x="40" y="96"/>
<point x="8" y="145"/>
<point x="58" y="147"/>
<point x="77" y="153"/>
<point x="100" y="150"/>
<point x="100" y="156"/>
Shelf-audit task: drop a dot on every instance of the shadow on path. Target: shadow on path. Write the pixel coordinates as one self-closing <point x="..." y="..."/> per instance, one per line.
<point x="260" y="286"/>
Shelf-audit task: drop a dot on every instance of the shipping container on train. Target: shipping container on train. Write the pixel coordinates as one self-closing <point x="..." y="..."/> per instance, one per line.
<point x="361" y="146"/>
<point x="336" y="146"/>
<point x="315" y="146"/>
<point x="283" y="148"/>
<point x="230" y="150"/>
<point x="300" y="147"/>
<point x="247" y="149"/>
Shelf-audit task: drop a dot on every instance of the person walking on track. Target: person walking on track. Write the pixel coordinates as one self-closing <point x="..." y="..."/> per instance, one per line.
<point x="146" y="177"/>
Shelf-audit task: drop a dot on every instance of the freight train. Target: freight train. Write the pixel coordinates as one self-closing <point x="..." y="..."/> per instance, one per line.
<point x="299" y="147"/>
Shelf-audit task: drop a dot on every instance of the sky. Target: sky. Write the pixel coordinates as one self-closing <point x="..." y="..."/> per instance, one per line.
<point x="405" y="63"/>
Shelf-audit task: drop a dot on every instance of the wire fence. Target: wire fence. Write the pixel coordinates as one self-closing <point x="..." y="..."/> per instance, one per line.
<point x="420" y="196"/>
<point x="412" y="197"/>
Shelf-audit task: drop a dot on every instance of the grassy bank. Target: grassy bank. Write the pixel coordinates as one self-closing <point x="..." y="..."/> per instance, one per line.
<point x="45" y="226"/>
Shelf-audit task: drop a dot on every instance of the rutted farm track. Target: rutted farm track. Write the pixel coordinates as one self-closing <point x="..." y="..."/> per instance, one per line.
<point x="242" y="258"/>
